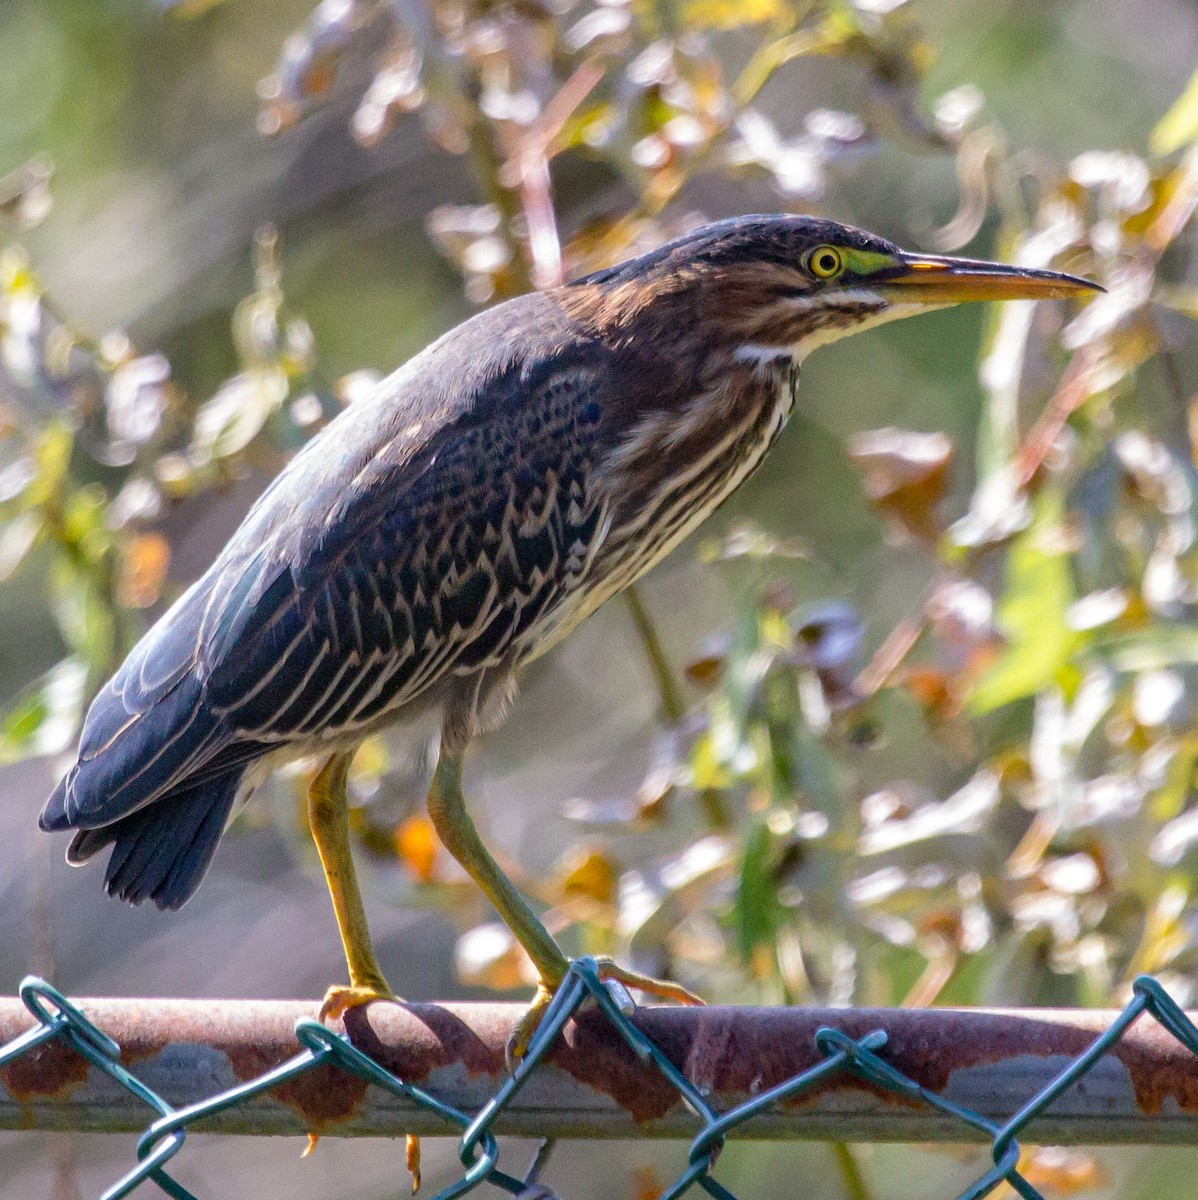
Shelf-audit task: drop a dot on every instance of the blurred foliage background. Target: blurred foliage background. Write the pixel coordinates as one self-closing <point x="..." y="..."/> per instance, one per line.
<point x="910" y="722"/>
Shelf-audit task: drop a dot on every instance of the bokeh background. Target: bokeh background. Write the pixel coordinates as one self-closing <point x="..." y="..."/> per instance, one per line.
<point x="911" y="721"/>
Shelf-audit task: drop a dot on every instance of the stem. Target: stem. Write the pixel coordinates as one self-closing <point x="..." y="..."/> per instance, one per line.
<point x="1177" y="394"/>
<point x="850" y="1172"/>
<point x="1072" y="392"/>
<point x="673" y="707"/>
<point x="485" y="159"/>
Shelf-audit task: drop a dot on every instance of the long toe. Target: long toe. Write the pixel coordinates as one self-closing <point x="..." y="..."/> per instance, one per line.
<point x="521" y="1037"/>
<point x="340" y="998"/>
<point x="662" y="989"/>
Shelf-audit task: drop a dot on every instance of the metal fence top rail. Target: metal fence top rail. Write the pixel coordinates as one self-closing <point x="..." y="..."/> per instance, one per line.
<point x="593" y="1083"/>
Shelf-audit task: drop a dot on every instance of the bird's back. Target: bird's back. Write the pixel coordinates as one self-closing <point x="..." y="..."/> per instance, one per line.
<point x="413" y="545"/>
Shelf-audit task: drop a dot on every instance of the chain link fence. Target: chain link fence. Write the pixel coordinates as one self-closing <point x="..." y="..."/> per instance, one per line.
<point x="60" y="1021"/>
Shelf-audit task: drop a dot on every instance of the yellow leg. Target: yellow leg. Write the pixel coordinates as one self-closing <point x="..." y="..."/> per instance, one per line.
<point x="447" y="808"/>
<point x="328" y="818"/>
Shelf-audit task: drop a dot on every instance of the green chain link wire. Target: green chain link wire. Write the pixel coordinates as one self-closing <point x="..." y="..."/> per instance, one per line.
<point x="58" y="1019"/>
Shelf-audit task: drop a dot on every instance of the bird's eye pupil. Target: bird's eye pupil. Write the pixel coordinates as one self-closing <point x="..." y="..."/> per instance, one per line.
<point x="826" y="263"/>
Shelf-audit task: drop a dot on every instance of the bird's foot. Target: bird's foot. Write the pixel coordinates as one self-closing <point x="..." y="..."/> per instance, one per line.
<point x="521" y="1037"/>
<point x="609" y="971"/>
<point x="661" y="989"/>
<point x="340" y="998"/>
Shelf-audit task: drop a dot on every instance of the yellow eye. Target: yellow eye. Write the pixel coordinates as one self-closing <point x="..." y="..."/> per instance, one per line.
<point x="825" y="262"/>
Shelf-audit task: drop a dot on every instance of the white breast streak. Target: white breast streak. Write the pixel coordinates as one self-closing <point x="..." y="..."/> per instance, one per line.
<point x="634" y="563"/>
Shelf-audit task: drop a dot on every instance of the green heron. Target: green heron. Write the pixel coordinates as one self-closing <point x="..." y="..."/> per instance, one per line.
<point x="454" y="525"/>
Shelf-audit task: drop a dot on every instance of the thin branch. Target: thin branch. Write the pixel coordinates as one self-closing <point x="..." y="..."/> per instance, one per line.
<point x="673" y="706"/>
<point x="1072" y="392"/>
<point x="850" y="1172"/>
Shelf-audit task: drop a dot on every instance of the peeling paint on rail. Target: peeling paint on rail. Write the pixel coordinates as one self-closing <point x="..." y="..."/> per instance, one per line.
<point x="1144" y="1090"/>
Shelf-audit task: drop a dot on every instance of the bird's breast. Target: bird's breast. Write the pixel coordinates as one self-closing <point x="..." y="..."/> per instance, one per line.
<point x="673" y="470"/>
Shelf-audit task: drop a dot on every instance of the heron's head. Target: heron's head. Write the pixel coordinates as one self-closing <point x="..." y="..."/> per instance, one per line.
<point x="778" y="285"/>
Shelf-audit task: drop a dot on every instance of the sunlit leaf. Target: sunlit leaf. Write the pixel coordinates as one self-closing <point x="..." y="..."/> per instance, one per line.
<point x="46" y="718"/>
<point x="1057" y="1171"/>
<point x="905" y="476"/>
<point x="52" y="457"/>
<point x="1180" y="124"/>
<point x="587" y="871"/>
<point x="25" y="197"/>
<point x="233" y="417"/>
<point x="1032" y="613"/>
<point x="17" y="538"/>
<point x="756" y="910"/>
<point x="137" y="396"/>
<point x="1170" y="799"/>
<point x="748" y="540"/>
<point x="489" y="956"/>
<point x="707" y="768"/>
<point x="1152" y="648"/>
<point x="731" y="14"/>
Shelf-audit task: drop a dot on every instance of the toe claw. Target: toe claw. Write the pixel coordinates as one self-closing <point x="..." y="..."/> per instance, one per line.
<point x="521" y="1037"/>
<point x="609" y="971"/>
<point x="340" y="998"/>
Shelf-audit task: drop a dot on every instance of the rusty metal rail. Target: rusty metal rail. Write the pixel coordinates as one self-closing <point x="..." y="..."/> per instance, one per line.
<point x="1062" y="1077"/>
<point x="593" y="1085"/>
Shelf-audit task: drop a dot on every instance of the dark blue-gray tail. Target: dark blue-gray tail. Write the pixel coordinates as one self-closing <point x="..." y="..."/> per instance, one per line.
<point x="158" y="768"/>
<point x="162" y="852"/>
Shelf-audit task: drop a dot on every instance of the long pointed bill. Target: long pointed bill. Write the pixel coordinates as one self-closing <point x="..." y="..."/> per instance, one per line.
<point x="928" y="279"/>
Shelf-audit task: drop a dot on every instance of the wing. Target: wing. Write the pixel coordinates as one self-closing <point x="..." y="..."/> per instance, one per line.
<point x="374" y="563"/>
<point x="440" y="563"/>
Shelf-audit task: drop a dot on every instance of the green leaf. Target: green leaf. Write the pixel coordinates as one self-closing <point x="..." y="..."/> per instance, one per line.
<point x="85" y="616"/>
<point x="1179" y="126"/>
<point x="228" y="422"/>
<point x="1032" y="612"/>
<point x="46" y="717"/>
<point x="757" y="908"/>
<point x="51" y="457"/>
<point x="1170" y="799"/>
<point x="1150" y="649"/>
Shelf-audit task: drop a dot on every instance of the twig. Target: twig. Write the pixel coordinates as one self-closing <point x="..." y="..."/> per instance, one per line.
<point x="850" y="1172"/>
<point x="1071" y="394"/>
<point x="891" y="654"/>
<point x="673" y="706"/>
<point x="934" y="978"/>
<point x="1181" y="402"/>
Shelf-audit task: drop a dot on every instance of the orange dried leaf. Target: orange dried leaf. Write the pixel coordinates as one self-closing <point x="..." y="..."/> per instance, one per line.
<point x="705" y="672"/>
<point x="1057" y="1171"/>
<point x="418" y="847"/>
<point x="905" y="475"/>
<point x="646" y="1183"/>
<point x="934" y="690"/>
<point x="143" y="570"/>
<point x="589" y="872"/>
<point x="412" y="1157"/>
